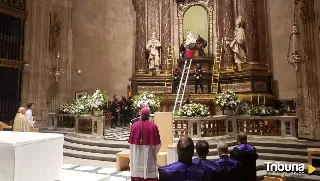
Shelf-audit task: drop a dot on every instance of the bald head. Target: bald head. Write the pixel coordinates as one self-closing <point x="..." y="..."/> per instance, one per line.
<point x="185" y="149"/>
<point x="22" y="110"/>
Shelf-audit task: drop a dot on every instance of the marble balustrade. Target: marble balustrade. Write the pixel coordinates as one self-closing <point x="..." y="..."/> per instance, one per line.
<point x="221" y="125"/>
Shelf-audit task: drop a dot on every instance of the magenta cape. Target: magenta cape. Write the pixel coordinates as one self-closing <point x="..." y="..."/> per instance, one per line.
<point x="147" y="130"/>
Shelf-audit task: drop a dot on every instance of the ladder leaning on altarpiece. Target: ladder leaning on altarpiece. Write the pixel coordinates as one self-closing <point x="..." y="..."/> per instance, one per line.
<point x="170" y="56"/>
<point x="182" y="85"/>
<point x="215" y="83"/>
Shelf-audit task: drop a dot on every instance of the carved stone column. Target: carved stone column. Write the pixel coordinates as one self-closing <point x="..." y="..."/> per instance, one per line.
<point x="165" y="30"/>
<point x="308" y="82"/>
<point x="228" y="32"/>
<point x="251" y="29"/>
<point x="141" y="33"/>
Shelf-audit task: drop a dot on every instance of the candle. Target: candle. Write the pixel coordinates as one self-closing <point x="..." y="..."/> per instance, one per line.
<point x="258" y="99"/>
<point x="251" y="97"/>
<point x="264" y="99"/>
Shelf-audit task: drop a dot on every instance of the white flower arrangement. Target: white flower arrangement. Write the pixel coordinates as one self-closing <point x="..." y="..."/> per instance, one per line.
<point x="79" y="106"/>
<point x="98" y="100"/>
<point x="85" y="104"/>
<point x="146" y="99"/>
<point x="227" y="101"/>
<point x="193" y="110"/>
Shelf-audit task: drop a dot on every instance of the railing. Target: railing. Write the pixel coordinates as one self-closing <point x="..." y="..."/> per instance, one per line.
<point x="230" y="125"/>
<point x="88" y="125"/>
<point x="61" y="121"/>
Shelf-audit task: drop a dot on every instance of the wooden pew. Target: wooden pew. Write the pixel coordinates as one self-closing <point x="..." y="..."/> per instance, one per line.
<point x="3" y="125"/>
<point x="312" y="151"/>
<point x="122" y="160"/>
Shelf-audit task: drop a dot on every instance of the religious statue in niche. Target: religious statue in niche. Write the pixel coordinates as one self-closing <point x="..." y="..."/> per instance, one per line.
<point x="193" y="47"/>
<point x="153" y="46"/>
<point x="238" y="43"/>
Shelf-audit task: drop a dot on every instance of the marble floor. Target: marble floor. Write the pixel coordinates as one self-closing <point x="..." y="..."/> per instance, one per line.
<point x="90" y="170"/>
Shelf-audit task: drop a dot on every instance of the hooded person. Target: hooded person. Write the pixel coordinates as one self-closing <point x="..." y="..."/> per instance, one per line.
<point x="145" y="145"/>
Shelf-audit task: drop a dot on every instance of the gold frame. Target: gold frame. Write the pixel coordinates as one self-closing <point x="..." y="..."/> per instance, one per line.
<point x="78" y="95"/>
<point x="208" y="5"/>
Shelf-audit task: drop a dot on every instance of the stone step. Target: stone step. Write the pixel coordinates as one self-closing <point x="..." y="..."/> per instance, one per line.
<point x="89" y="155"/>
<point x="278" y="157"/>
<point x="300" y="144"/>
<point x="100" y="143"/>
<point x="275" y="150"/>
<point x="288" y="176"/>
<point x="92" y="149"/>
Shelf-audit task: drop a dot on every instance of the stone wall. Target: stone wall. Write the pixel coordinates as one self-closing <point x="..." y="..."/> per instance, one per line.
<point x="39" y="87"/>
<point x="280" y="22"/>
<point x="103" y="45"/>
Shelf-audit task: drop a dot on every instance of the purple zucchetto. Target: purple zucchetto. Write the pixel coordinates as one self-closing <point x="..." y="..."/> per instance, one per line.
<point x="145" y="113"/>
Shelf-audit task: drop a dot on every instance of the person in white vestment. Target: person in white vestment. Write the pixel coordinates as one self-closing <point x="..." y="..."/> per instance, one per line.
<point x="29" y="115"/>
<point x="20" y="122"/>
<point x="145" y="145"/>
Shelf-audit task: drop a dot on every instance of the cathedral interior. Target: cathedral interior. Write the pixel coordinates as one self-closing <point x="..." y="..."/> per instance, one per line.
<point x="54" y="51"/>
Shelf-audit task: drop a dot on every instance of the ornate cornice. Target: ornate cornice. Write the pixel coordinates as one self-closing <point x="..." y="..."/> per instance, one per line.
<point x="12" y="63"/>
<point x="306" y="10"/>
<point x="55" y="29"/>
<point x="12" y="11"/>
<point x="207" y="4"/>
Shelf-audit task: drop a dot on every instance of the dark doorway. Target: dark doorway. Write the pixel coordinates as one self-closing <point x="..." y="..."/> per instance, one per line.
<point x="11" y="51"/>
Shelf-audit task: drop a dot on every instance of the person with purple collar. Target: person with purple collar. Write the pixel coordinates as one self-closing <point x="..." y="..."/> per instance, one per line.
<point x="227" y="168"/>
<point x="247" y="155"/>
<point x="202" y="149"/>
<point x="184" y="169"/>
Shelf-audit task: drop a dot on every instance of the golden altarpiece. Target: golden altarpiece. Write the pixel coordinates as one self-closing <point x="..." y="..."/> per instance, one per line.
<point x="215" y="21"/>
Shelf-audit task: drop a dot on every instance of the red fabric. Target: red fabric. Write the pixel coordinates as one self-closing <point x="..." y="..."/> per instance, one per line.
<point x="150" y="133"/>
<point x="189" y="54"/>
<point x="141" y="179"/>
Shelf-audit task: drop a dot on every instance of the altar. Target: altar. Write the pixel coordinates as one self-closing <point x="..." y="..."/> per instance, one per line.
<point x="221" y="40"/>
<point x="28" y="156"/>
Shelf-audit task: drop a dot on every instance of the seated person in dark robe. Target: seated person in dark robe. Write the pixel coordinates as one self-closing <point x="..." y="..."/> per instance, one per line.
<point x="247" y="156"/>
<point x="183" y="169"/>
<point x="202" y="148"/>
<point x="227" y="168"/>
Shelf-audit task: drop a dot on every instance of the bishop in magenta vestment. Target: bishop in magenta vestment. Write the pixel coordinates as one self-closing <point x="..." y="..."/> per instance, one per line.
<point x="145" y="145"/>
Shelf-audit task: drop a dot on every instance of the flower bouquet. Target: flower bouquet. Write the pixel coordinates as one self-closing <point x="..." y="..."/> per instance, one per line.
<point x="77" y="107"/>
<point x="193" y="110"/>
<point x="97" y="101"/>
<point x="146" y="99"/>
<point x="262" y="110"/>
<point x="227" y="101"/>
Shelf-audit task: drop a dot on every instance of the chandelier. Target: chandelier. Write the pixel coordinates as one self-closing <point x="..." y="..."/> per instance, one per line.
<point x="296" y="58"/>
<point x="57" y="74"/>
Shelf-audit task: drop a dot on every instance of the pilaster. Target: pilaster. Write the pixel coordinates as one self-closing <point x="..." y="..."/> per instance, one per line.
<point x="307" y="77"/>
<point x="165" y="36"/>
<point x="141" y="33"/>
<point x="251" y="29"/>
<point x="228" y="32"/>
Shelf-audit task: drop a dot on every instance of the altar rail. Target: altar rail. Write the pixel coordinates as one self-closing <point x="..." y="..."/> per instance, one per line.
<point x="88" y="125"/>
<point x="229" y="125"/>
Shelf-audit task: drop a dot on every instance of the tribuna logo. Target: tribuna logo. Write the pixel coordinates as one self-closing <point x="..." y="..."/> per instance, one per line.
<point x="296" y="169"/>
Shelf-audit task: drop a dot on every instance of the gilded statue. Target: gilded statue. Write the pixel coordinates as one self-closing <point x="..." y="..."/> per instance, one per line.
<point x="238" y="43"/>
<point x="153" y="46"/>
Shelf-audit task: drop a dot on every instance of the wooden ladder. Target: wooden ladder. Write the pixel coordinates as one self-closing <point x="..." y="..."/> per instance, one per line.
<point x="215" y="83"/>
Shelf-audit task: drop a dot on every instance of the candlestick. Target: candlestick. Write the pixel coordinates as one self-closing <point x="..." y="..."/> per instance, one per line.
<point x="264" y="99"/>
<point x="258" y="99"/>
